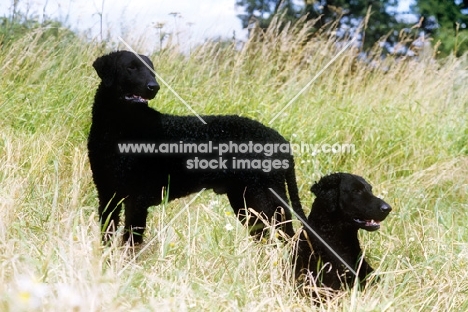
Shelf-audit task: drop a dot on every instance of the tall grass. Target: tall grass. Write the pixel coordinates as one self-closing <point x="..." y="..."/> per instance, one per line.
<point x="407" y="119"/>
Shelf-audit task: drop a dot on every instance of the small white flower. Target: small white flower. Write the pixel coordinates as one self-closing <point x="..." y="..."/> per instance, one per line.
<point x="213" y="203"/>
<point x="30" y="293"/>
<point x="229" y="227"/>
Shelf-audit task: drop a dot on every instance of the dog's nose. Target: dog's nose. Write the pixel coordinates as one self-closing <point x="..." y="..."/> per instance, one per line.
<point x="385" y="208"/>
<point x="153" y="86"/>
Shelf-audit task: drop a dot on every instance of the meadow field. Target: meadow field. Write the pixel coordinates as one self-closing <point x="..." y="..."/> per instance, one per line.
<point x="406" y="117"/>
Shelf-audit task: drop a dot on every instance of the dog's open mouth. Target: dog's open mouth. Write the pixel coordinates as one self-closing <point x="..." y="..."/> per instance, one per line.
<point x="135" y="98"/>
<point x="369" y="225"/>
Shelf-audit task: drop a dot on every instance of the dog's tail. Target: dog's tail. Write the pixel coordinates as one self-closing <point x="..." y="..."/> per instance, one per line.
<point x="294" y="192"/>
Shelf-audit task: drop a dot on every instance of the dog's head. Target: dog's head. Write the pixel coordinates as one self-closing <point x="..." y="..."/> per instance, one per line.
<point x="349" y="197"/>
<point x="130" y="75"/>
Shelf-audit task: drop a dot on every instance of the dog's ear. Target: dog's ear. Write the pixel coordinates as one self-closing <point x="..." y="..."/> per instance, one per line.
<point x="327" y="183"/>
<point x="105" y="68"/>
<point x="328" y="190"/>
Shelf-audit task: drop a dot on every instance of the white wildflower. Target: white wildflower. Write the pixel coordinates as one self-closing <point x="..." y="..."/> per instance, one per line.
<point x="29" y="293"/>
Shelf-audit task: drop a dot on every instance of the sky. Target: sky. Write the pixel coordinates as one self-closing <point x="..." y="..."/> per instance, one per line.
<point x="134" y="20"/>
<point x="195" y="21"/>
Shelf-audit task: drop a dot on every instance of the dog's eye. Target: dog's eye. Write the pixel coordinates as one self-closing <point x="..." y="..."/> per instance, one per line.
<point x="131" y="68"/>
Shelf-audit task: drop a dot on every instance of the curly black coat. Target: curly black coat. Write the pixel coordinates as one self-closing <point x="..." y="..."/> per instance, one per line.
<point x="121" y="115"/>
<point x="344" y="204"/>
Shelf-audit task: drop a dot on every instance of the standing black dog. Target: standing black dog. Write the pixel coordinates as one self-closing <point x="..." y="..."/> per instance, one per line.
<point x="121" y="115"/>
<point x="344" y="204"/>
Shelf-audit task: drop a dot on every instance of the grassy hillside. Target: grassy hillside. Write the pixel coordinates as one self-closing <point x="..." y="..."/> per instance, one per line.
<point x="406" y="118"/>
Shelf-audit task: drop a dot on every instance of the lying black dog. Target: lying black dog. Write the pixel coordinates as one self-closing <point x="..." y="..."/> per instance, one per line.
<point x="344" y="204"/>
<point x="246" y="158"/>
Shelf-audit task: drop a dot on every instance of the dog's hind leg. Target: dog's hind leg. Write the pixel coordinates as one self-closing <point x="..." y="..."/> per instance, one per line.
<point x="136" y="211"/>
<point x="277" y="211"/>
<point x="240" y="203"/>
<point x="266" y="205"/>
